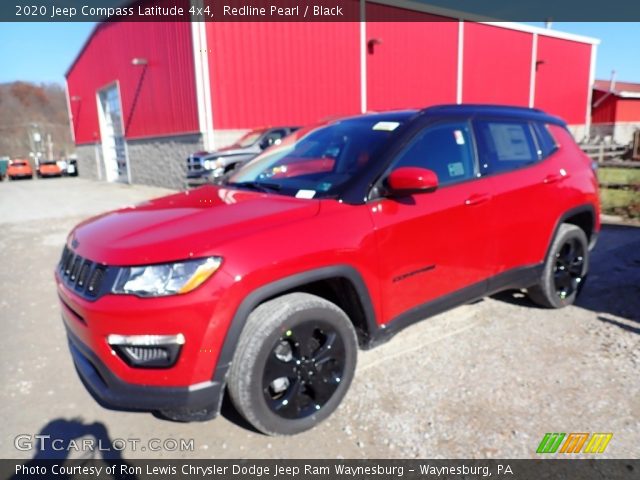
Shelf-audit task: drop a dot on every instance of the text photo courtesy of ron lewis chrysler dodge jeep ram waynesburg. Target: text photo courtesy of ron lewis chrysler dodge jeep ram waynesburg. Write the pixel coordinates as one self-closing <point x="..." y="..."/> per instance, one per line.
<point x="344" y="233"/>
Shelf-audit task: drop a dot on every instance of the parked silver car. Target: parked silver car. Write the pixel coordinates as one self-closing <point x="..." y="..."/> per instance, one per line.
<point x="212" y="167"/>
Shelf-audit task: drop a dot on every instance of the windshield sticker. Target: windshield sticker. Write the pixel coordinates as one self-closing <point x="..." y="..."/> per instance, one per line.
<point x="305" y="194"/>
<point x="459" y="137"/>
<point x="386" y="126"/>
<point x="324" y="187"/>
<point x="456" y="169"/>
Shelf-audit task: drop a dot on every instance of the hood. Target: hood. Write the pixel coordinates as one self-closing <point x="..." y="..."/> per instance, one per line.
<point x="234" y="150"/>
<point x="193" y="223"/>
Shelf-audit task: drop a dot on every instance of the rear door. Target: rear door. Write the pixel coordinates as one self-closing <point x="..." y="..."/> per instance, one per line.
<point x="432" y="245"/>
<point x="523" y="183"/>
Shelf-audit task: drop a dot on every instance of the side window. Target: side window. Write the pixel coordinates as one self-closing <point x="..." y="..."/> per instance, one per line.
<point x="505" y="145"/>
<point x="445" y="149"/>
<point x="546" y="142"/>
<point x="273" y="138"/>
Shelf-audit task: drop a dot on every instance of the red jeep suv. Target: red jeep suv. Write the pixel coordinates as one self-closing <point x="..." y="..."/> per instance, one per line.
<point x="335" y="239"/>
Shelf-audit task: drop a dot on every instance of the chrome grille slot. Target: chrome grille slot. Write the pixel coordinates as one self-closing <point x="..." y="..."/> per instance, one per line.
<point x="95" y="281"/>
<point x="75" y="270"/>
<point x="82" y="275"/>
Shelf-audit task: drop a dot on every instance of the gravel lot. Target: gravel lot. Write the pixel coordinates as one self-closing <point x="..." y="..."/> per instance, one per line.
<point x="481" y="381"/>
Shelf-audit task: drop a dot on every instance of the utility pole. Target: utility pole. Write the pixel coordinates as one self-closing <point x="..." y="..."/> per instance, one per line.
<point x="49" y="147"/>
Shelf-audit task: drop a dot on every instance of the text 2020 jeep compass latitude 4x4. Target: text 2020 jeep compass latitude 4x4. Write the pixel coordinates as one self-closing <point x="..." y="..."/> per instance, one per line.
<point x="336" y="238"/>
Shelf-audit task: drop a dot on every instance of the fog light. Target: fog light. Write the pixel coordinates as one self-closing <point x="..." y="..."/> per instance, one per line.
<point x="147" y="351"/>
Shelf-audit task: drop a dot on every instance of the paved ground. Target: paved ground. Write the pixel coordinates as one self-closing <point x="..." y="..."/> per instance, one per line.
<point x="484" y="380"/>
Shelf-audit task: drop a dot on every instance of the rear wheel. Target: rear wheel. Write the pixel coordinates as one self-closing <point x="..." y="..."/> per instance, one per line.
<point x="565" y="269"/>
<point x="294" y="363"/>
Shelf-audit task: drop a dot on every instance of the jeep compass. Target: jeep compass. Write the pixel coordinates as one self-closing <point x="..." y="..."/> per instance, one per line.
<point x="266" y="286"/>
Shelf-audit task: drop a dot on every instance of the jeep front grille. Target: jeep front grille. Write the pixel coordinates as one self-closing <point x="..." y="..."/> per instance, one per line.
<point x="80" y="274"/>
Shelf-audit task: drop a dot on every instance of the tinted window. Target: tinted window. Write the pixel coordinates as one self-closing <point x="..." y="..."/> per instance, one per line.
<point x="505" y="145"/>
<point x="446" y="149"/>
<point x="318" y="161"/>
<point x="546" y="142"/>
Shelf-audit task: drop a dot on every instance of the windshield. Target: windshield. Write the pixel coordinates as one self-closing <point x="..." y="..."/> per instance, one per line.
<point x="316" y="163"/>
<point x="249" y="139"/>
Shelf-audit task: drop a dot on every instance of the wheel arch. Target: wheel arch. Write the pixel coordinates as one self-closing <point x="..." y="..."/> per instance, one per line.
<point x="340" y="284"/>
<point x="584" y="217"/>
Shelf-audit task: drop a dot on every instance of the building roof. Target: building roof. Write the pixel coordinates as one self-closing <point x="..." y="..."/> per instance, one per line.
<point x="411" y="5"/>
<point x="620" y="89"/>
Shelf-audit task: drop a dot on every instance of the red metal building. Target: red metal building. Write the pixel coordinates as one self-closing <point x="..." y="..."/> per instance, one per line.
<point x="143" y="96"/>
<point x="616" y="109"/>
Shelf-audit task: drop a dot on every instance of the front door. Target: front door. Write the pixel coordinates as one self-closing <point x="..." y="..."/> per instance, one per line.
<point x="114" y="151"/>
<point x="434" y="244"/>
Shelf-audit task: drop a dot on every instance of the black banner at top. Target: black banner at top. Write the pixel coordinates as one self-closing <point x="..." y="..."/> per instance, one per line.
<point x="318" y="10"/>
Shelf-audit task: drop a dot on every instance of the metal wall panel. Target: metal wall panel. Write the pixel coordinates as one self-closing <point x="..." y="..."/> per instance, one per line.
<point x="497" y="65"/>
<point x="410" y="64"/>
<point x="283" y="73"/>
<point x="562" y="78"/>
<point x="628" y="110"/>
<point x="157" y="99"/>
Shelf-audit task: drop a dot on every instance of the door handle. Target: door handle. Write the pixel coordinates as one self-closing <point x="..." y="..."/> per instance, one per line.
<point x="477" y="199"/>
<point x="555" y="177"/>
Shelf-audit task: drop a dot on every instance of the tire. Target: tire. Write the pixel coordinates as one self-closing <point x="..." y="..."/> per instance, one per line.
<point x="283" y="379"/>
<point x="565" y="269"/>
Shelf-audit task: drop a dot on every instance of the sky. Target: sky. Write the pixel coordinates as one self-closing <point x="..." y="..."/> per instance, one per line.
<point x="42" y="52"/>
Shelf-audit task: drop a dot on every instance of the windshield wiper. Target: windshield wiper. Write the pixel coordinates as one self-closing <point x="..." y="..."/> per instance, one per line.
<point x="259" y="186"/>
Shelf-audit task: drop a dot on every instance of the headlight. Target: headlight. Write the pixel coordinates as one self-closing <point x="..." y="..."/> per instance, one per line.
<point x="165" y="279"/>
<point x="213" y="163"/>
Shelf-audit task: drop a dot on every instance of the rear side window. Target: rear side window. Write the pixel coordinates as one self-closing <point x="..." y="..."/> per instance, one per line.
<point x="445" y="149"/>
<point x="505" y="145"/>
<point x="546" y="142"/>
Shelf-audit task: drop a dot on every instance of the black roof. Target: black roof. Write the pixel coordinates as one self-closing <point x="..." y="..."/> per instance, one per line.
<point x="492" y="110"/>
<point x="455" y="110"/>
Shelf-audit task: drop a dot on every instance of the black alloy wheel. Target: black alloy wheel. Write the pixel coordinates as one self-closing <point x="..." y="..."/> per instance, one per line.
<point x="303" y="369"/>
<point x="569" y="268"/>
<point x="565" y="269"/>
<point x="293" y="364"/>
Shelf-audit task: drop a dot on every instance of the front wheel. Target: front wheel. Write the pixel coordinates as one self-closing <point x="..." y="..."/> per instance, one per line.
<point x="565" y="269"/>
<point x="294" y="363"/>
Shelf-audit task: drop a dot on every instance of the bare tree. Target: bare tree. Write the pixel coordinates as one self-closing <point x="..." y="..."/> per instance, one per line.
<point x="27" y="108"/>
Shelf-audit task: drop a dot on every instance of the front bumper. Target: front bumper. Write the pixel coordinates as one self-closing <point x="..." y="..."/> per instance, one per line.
<point x="112" y="392"/>
<point x="205" y="178"/>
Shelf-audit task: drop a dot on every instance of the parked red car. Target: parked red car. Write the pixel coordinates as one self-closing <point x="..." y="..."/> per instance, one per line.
<point x="49" y="168"/>
<point x="337" y="238"/>
<point x="19" y="169"/>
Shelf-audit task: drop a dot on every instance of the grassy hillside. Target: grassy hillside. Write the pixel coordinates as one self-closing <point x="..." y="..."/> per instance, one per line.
<point x="26" y="108"/>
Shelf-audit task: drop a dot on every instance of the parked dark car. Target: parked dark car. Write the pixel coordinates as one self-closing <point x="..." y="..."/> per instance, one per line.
<point x="72" y="168"/>
<point x="212" y="167"/>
